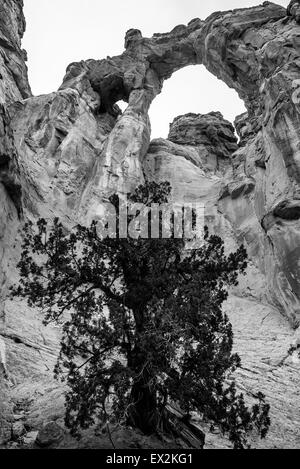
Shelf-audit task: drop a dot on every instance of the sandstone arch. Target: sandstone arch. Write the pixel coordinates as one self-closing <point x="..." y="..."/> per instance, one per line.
<point x="252" y="50"/>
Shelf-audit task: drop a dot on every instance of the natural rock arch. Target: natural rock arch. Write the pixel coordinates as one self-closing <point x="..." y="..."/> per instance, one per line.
<point x="251" y="50"/>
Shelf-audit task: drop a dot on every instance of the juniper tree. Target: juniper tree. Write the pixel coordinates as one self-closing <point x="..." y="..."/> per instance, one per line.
<point x="142" y="323"/>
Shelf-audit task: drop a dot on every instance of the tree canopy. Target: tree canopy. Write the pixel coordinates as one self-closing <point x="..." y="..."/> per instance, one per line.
<point x="142" y="323"/>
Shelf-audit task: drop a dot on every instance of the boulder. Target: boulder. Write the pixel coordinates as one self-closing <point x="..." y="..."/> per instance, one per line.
<point x="49" y="435"/>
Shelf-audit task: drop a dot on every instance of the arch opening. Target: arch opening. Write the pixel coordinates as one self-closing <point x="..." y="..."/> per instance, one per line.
<point x="192" y="89"/>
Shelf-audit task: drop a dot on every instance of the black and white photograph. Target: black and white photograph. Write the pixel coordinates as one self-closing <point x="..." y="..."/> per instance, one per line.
<point x="149" y="228"/>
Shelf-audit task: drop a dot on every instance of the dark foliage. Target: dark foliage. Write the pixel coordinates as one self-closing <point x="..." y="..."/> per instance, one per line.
<point x="142" y="324"/>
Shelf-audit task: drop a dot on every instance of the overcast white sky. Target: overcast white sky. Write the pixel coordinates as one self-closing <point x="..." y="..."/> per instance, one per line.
<point x="63" y="31"/>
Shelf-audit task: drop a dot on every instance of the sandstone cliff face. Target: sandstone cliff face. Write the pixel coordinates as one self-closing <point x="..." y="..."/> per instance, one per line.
<point x="13" y="86"/>
<point x="62" y="154"/>
<point x="262" y="335"/>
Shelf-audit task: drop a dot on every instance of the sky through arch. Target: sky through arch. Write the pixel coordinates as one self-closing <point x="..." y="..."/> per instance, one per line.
<point x="192" y="89"/>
